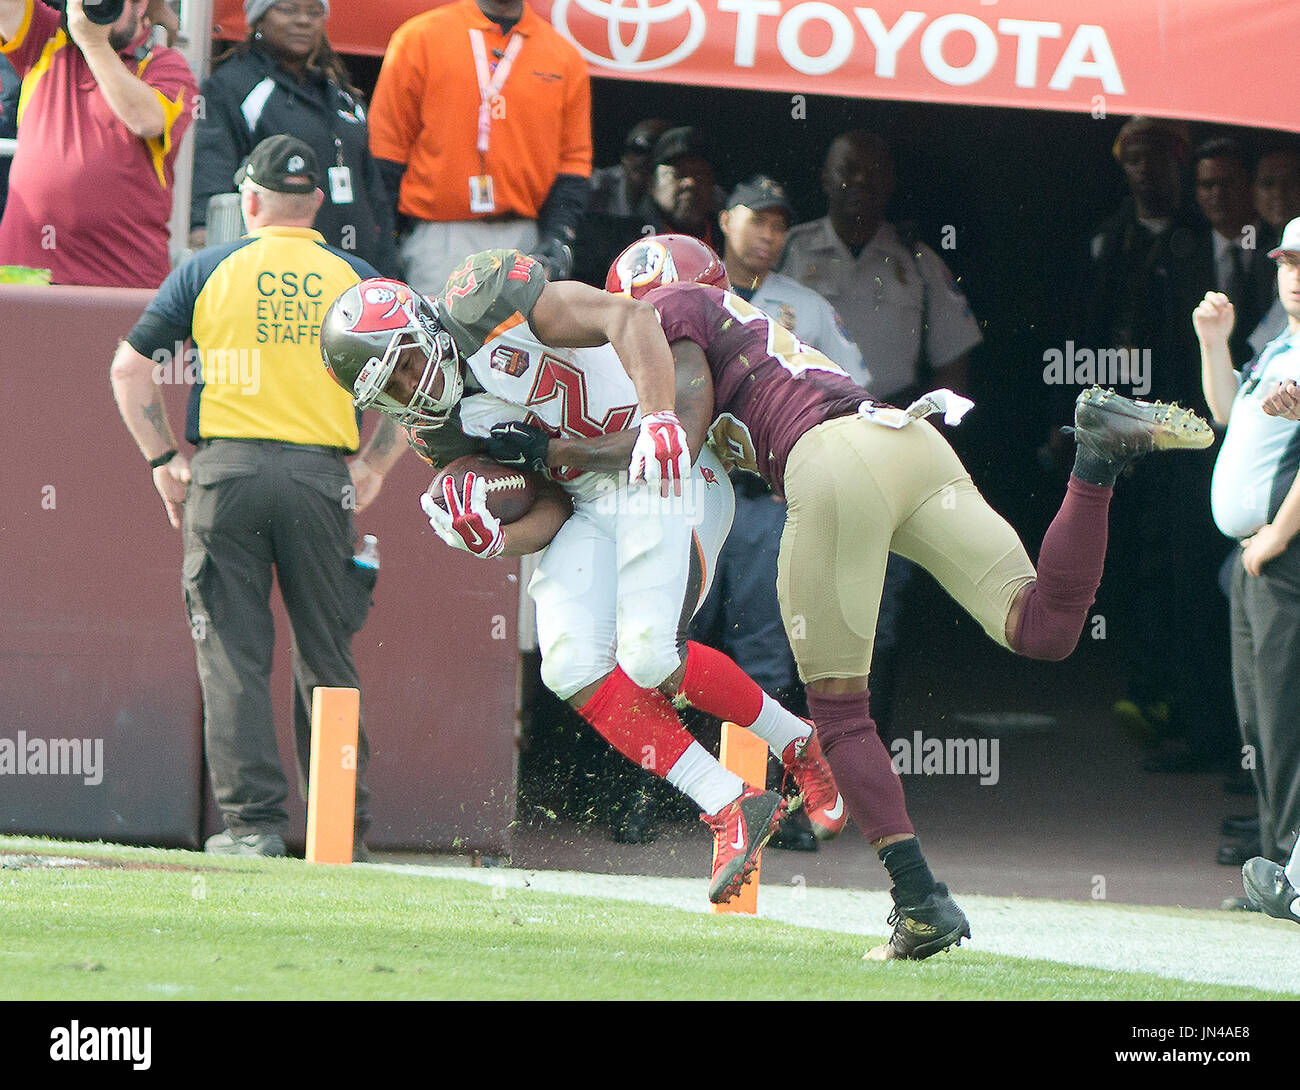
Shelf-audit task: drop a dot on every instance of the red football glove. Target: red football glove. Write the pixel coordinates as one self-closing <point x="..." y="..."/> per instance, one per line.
<point x="467" y="523"/>
<point x="661" y="455"/>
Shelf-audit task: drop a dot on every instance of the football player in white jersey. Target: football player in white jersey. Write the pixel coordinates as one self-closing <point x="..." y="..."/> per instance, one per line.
<point x="629" y="549"/>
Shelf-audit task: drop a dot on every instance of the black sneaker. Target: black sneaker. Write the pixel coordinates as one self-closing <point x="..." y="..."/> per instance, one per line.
<point x="925" y="929"/>
<point x="227" y="843"/>
<point x="1120" y="429"/>
<point x="1240" y="826"/>
<point x="794" y="834"/>
<point x="1267" y="886"/>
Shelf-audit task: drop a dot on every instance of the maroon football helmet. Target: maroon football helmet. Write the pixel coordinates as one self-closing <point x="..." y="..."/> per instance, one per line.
<point x="664" y="259"/>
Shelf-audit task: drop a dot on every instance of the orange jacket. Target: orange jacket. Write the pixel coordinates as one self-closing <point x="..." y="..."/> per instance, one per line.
<point x="425" y="114"/>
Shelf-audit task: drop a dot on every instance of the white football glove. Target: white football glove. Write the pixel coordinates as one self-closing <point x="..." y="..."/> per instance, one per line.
<point x="467" y="523"/>
<point x="661" y="455"/>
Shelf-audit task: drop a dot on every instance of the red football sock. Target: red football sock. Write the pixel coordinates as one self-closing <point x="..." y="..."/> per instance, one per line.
<point x="718" y="687"/>
<point x="1069" y="573"/>
<point x="639" y="723"/>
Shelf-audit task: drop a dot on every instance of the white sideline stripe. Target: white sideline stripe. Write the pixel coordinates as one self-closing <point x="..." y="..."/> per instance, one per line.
<point x="1243" y="949"/>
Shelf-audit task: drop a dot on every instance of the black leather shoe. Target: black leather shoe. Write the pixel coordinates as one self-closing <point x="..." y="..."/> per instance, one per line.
<point x="794" y="834"/>
<point x="1240" y="904"/>
<point x="1241" y="826"/>
<point x="638" y="823"/>
<point x="1238" y="853"/>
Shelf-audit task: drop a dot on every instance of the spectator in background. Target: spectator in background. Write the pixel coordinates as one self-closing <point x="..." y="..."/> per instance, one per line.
<point x="1238" y="239"/>
<point x="103" y="116"/>
<point x="481" y="121"/>
<point x="268" y="486"/>
<point x="614" y="216"/>
<point x="285" y="78"/>
<point x="902" y="306"/>
<point x="10" y="85"/>
<point x="1150" y="268"/>
<point x="904" y="311"/>
<point x="1277" y="184"/>
<point x="1256" y="501"/>
<point x="683" y="192"/>
<point x="741" y="615"/>
<point x="1277" y="200"/>
<point x="617" y="190"/>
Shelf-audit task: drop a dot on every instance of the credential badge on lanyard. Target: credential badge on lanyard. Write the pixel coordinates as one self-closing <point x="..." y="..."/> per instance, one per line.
<point x="481" y="195"/>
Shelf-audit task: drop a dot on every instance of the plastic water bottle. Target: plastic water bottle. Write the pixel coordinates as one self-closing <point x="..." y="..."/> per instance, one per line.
<point x="368" y="557"/>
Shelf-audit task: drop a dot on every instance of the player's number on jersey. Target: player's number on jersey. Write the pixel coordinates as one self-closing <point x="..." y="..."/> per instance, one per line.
<point x="732" y="443"/>
<point x="557" y="378"/>
<point x="782" y="345"/>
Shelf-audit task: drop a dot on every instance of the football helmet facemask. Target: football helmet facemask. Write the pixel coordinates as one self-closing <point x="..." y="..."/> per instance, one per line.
<point x="362" y="338"/>
<point x="651" y="262"/>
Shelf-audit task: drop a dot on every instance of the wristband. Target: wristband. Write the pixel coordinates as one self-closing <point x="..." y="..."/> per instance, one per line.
<point x="162" y="459"/>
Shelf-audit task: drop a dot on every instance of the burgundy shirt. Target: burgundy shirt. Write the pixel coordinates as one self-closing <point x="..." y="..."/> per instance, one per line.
<point x="772" y="384"/>
<point x="88" y="199"/>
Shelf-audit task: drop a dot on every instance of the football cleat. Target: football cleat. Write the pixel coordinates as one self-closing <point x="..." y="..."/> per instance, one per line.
<point x="922" y="930"/>
<point x="1120" y="429"/>
<point x="1268" y="889"/>
<point x="740" y="829"/>
<point x="822" y="801"/>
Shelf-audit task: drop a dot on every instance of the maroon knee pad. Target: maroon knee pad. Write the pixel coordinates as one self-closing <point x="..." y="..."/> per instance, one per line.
<point x="860" y="763"/>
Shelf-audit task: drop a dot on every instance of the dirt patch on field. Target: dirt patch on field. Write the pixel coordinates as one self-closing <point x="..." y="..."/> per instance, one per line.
<point x="35" y="861"/>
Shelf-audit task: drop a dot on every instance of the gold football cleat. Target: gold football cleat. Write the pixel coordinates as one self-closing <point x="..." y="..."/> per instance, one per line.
<point x="1121" y="429"/>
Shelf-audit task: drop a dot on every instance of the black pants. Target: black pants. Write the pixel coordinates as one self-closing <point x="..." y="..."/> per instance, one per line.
<point x="1266" y="678"/>
<point x="253" y="505"/>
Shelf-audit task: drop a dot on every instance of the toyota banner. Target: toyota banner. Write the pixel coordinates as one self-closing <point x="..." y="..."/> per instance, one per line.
<point x="1204" y="60"/>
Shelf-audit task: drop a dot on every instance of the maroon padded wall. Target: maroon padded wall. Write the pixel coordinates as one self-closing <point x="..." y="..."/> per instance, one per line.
<point x="94" y="642"/>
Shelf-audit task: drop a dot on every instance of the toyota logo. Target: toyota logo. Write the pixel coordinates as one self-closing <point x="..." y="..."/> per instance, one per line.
<point x="641" y="16"/>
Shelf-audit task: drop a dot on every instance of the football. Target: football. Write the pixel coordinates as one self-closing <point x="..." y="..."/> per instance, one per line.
<point x="510" y="491"/>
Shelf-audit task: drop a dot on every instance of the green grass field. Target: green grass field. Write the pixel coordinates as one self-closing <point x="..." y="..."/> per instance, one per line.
<point x="170" y="924"/>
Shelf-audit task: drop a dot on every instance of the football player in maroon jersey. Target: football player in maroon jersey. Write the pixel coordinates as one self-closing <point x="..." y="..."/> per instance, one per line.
<point x="861" y="480"/>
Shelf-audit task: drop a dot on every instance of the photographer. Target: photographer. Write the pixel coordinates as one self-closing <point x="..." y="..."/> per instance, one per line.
<point x="90" y="191"/>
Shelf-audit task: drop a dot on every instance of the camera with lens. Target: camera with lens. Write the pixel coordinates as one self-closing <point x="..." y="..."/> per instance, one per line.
<point x="103" y="12"/>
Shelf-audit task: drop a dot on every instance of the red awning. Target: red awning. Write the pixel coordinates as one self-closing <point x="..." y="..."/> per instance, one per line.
<point x="1198" y="59"/>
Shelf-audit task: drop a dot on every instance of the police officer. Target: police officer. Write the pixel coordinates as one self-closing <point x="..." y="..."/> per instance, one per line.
<point x="268" y="485"/>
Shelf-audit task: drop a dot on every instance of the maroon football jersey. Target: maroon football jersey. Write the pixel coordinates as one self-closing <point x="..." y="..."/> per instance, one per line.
<point x="768" y="386"/>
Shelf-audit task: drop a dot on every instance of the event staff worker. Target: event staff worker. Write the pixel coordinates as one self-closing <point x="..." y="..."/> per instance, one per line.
<point x="101" y="119"/>
<point x="481" y="120"/>
<point x="268" y="485"/>
<point x="285" y="78"/>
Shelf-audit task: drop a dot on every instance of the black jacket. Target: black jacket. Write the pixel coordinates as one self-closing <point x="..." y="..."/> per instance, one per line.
<point x="249" y="98"/>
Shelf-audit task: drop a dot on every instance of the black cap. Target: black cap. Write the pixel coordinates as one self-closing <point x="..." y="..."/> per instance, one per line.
<point x="642" y="136"/>
<point x="681" y="141"/>
<point x="758" y="193"/>
<point x="283" y="164"/>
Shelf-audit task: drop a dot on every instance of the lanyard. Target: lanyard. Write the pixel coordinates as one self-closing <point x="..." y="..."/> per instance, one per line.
<point x="489" y="88"/>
